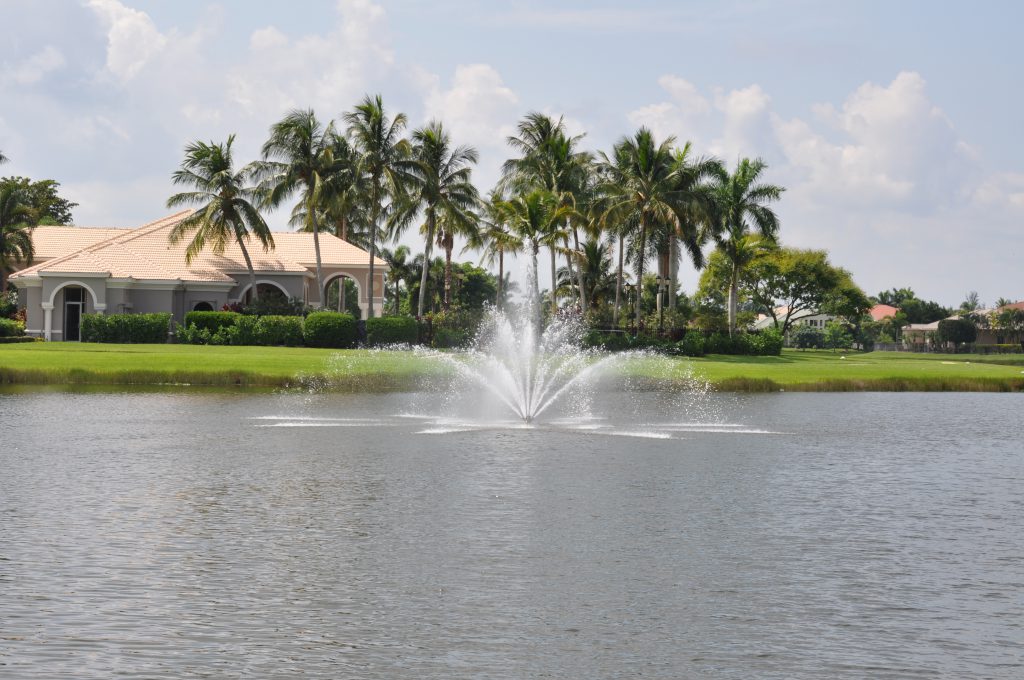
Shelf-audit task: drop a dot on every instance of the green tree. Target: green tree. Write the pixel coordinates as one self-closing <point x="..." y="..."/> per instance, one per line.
<point x="439" y="179"/>
<point x="531" y="218"/>
<point x="298" y="157"/>
<point x="496" y="240"/>
<point x="787" y="283"/>
<point x="956" y="331"/>
<point x="383" y="150"/>
<point x="743" y="210"/>
<point x="399" y="271"/>
<point x="837" y="336"/>
<point x="225" y="204"/>
<point x="43" y="197"/>
<point x="643" y="188"/>
<point x="16" y="218"/>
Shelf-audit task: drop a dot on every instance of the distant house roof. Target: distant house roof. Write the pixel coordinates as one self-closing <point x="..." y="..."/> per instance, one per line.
<point x="1013" y="305"/>
<point x="879" y="312"/>
<point x="146" y="253"/>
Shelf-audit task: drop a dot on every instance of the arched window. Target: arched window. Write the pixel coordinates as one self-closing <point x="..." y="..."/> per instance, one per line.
<point x="202" y="307"/>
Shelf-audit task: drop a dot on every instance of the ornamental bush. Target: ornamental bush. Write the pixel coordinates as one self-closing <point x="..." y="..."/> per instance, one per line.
<point x="278" y="330"/>
<point x="126" y="328"/>
<point x="766" y="343"/>
<point x="211" y="321"/>
<point x="692" y="345"/>
<point x="390" y="330"/>
<point x="330" y="329"/>
<point x="9" y="328"/>
<point x="808" y="337"/>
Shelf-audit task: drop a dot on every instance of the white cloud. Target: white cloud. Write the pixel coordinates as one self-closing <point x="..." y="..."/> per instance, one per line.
<point x="685" y="115"/>
<point x="36" y="67"/>
<point x="886" y="146"/>
<point x="478" y="108"/>
<point x="746" y="126"/>
<point x="132" y="38"/>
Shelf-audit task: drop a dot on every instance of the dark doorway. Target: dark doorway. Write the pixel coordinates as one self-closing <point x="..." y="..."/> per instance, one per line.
<point x="74" y="302"/>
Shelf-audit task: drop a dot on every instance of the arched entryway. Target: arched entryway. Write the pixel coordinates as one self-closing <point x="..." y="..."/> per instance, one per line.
<point x="268" y="290"/>
<point x="352" y="294"/>
<point x="202" y="307"/>
<point x="68" y="303"/>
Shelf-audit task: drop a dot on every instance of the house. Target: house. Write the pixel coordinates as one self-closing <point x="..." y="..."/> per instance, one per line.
<point x="800" y="318"/>
<point x="80" y="270"/>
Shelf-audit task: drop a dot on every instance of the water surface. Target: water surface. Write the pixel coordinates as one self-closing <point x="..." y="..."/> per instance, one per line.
<point x="170" y="535"/>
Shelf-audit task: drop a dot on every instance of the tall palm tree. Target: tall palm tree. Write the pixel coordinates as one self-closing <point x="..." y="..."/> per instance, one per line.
<point x="450" y="227"/>
<point x="225" y="200"/>
<point x="742" y="207"/>
<point x="399" y="269"/>
<point x="440" y="184"/>
<point x="549" y="159"/>
<point x="531" y="217"/>
<point x="643" y="185"/>
<point x="299" y="156"/>
<point x="383" y="150"/>
<point x="16" y="218"/>
<point x="496" y="239"/>
<point x="3" y="158"/>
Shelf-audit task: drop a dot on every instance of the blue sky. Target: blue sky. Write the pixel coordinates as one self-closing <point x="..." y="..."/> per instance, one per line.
<point x="894" y="125"/>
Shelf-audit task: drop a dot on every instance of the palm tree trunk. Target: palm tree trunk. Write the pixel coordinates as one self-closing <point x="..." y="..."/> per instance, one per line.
<point x="554" y="281"/>
<point x="579" y="277"/>
<point x="3" y="280"/>
<point x="572" y="271"/>
<point x="316" y="247"/>
<point x="426" y="261"/>
<point x="342" y="305"/>
<point x="535" y="279"/>
<point x="672" y="271"/>
<point x="501" y="277"/>
<point x="252" y="272"/>
<point x="641" y="256"/>
<point x="733" y="298"/>
<point x="373" y="248"/>
<point x="618" y="283"/>
<point x="447" y="274"/>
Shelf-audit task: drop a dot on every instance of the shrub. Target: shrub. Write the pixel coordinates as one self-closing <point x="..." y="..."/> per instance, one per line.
<point x="278" y="330"/>
<point x="211" y="321"/>
<point x="957" y="331"/>
<point x="126" y="328"/>
<point x="276" y="305"/>
<point x="692" y="345"/>
<point x="17" y="339"/>
<point x="806" y="337"/>
<point x="9" y="328"/>
<point x="193" y="335"/>
<point x="330" y="329"/>
<point x="9" y="303"/>
<point x="445" y="338"/>
<point x="388" y="330"/>
<point x="837" y="336"/>
<point x="766" y="343"/>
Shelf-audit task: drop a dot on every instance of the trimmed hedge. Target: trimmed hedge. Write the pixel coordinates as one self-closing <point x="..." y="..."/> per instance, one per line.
<point x="10" y="340"/>
<point x="693" y="344"/>
<point x="126" y="328"/>
<point x="279" y="330"/>
<point x="330" y="329"/>
<point x="9" y="328"/>
<point x="390" y="330"/>
<point x="211" y="321"/>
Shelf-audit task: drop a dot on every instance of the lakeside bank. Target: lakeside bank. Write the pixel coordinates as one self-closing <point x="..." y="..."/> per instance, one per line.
<point x="391" y="370"/>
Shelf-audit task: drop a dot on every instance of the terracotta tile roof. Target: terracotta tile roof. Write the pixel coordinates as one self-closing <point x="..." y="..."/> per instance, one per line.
<point x="145" y="253"/>
<point x="879" y="312"/>
<point x="1013" y="305"/>
<point x="49" y="242"/>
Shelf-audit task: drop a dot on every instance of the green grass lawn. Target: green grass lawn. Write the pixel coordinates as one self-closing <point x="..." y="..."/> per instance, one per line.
<point x="74" y="363"/>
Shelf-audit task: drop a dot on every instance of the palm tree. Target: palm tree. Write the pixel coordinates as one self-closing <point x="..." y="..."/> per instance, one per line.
<point x="643" y="185"/>
<point x="382" y="149"/>
<point x="450" y="227"/>
<point x="440" y="183"/>
<point x="298" y="156"/>
<point x="549" y="159"/>
<point x="595" y="270"/>
<point x="399" y="269"/>
<point x="225" y="199"/>
<point x="742" y="209"/>
<point x="3" y="158"/>
<point x="532" y="217"/>
<point x="495" y="239"/>
<point x="16" y="217"/>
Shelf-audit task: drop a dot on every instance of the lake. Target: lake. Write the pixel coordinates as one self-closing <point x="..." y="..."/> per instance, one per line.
<point x="216" y="534"/>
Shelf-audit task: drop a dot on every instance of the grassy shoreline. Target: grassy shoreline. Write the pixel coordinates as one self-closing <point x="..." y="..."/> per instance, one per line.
<point x="382" y="371"/>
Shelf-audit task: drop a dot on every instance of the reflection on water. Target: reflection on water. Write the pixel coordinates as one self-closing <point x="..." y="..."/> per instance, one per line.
<point x="211" y="534"/>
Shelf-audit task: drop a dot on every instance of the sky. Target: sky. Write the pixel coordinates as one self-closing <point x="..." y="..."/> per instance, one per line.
<point x="894" y="126"/>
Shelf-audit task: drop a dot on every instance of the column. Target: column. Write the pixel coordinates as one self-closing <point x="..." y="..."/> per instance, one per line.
<point x="47" y="319"/>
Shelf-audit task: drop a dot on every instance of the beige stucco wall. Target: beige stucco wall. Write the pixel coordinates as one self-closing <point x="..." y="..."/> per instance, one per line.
<point x="291" y="284"/>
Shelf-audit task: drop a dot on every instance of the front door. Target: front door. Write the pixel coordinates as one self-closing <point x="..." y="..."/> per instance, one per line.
<point x="73" y="302"/>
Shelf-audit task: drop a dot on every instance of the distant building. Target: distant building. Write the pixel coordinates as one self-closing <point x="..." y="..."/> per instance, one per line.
<point x="80" y="270"/>
<point x="879" y="312"/>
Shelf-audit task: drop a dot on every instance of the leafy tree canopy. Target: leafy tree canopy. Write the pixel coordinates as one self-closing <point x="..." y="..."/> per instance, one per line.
<point x="785" y="283"/>
<point x="42" y="197"/>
